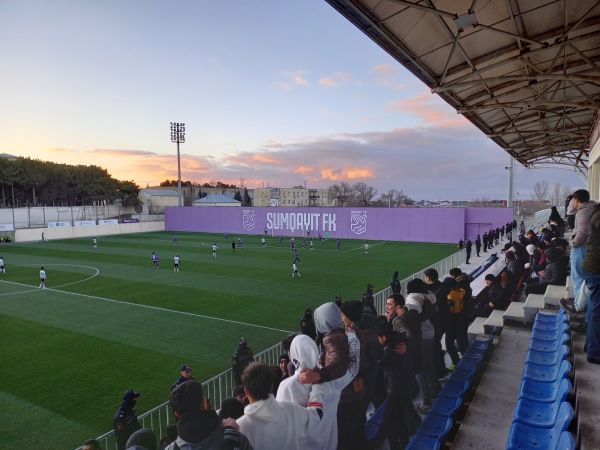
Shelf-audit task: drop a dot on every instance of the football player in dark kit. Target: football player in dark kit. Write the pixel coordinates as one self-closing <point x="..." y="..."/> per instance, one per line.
<point x="126" y="422"/>
<point x="240" y="359"/>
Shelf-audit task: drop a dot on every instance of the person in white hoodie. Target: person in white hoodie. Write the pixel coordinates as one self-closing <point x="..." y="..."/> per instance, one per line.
<point x="272" y="425"/>
<point x="304" y="354"/>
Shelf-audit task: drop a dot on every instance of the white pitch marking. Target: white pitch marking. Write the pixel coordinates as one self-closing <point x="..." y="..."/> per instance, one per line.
<point x="144" y="306"/>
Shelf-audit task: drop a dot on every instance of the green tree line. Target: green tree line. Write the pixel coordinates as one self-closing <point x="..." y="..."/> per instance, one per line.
<point x="31" y="182"/>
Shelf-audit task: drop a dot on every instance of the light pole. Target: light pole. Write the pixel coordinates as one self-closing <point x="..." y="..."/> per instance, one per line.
<point x="178" y="135"/>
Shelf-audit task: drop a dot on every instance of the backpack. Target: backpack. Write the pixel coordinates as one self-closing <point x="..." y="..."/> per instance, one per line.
<point x="456" y="301"/>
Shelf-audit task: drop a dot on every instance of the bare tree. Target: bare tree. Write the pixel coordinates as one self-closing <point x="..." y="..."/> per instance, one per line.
<point x="341" y="192"/>
<point x="364" y="193"/>
<point x="540" y="191"/>
<point x="556" y="197"/>
<point x="390" y="198"/>
<point x="483" y="201"/>
<point x="566" y="191"/>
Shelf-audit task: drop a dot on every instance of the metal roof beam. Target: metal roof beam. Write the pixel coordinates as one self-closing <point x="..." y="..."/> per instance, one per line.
<point x="535" y="78"/>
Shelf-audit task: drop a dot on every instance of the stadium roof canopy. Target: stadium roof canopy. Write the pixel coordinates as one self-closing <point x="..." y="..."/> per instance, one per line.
<point x="525" y="72"/>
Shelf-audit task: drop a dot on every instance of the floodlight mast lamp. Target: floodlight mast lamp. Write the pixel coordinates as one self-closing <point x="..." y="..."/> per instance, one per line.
<point x="178" y="135"/>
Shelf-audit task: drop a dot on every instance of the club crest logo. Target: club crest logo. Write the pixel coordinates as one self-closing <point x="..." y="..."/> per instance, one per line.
<point x="358" y="222"/>
<point x="248" y="219"/>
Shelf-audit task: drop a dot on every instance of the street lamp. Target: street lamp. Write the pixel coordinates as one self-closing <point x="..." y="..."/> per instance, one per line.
<point x="178" y="135"/>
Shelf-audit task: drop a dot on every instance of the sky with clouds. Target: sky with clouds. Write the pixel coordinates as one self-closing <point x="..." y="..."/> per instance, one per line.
<point x="277" y="92"/>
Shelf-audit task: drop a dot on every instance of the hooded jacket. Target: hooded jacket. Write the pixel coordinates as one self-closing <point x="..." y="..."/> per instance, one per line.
<point x="273" y="425"/>
<point x="328" y="321"/>
<point x="202" y="430"/>
<point x="421" y="304"/>
<point x="582" y="224"/>
<point x="591" y="262"/>
<point x="305" y="355"/>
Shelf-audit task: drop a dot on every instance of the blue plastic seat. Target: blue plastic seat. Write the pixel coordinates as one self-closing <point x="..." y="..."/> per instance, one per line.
<point x="549" y="335"/>
<point x="543" y="392"/>
<point x="544" y="325"/>
<point x="436" y="426"/>
<point x="463" y="373"/>
<point x="474" y="352"/>
<point x="546" y="345"/>
<point x="445" y="406"/>
<point x="542" y="415"/>
<point x="566" y="441"/>
<point x="561" y="316"/>
<point x="524" y="437"/>
<point x="482" y="343"/>
<point x="470" y="360"/>
<point x="455" y="389"/>
<point x="421" y="441"/>
<point x="547" y="358"/>
<point x="375" y="422"/>
<point x="540" y="372"/>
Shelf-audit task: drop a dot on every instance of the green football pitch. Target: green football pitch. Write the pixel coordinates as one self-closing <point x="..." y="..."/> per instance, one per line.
<point x="108" y="321"/>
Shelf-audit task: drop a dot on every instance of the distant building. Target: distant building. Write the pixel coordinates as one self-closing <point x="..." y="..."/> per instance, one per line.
<point x="157" y="199"/>
<point x="292" y="197"/>
<point x="217" y="200"/>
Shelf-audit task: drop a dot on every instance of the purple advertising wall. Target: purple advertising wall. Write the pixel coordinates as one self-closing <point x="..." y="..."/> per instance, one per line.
<point x="444" y="225"/>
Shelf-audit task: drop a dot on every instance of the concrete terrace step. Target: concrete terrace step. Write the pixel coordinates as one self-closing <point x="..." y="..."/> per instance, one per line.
<point x="495" y="320"/>
<point x="533" y="304"/>
<point x="554" y="293"/>
<point x="476" y="328"/>
<point x="514" y="313"/>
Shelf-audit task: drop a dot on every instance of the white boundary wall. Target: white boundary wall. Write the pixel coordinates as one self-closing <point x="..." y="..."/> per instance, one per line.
<point x="35" y="234"/>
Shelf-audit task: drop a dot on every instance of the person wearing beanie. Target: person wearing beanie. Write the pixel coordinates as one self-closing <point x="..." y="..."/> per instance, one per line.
<point x="240" y="359"/>
<point x="199" y="427"/>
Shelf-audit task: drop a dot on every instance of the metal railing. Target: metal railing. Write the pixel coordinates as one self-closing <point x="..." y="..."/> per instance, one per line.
<point x="221" y="386"/>
<point x="216" y="390"/>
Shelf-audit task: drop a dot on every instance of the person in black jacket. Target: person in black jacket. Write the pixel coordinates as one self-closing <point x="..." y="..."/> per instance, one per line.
<point x="491" y="297"/>
<point x="307" y="324"/>
<point x="399" y="418"/>
<point x="240" y="359"/>
<point x="395" y="283"/>
<point x="126" y="422"/>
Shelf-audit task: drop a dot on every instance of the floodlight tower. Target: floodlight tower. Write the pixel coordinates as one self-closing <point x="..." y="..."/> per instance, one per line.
<point x="178" y="135"/>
